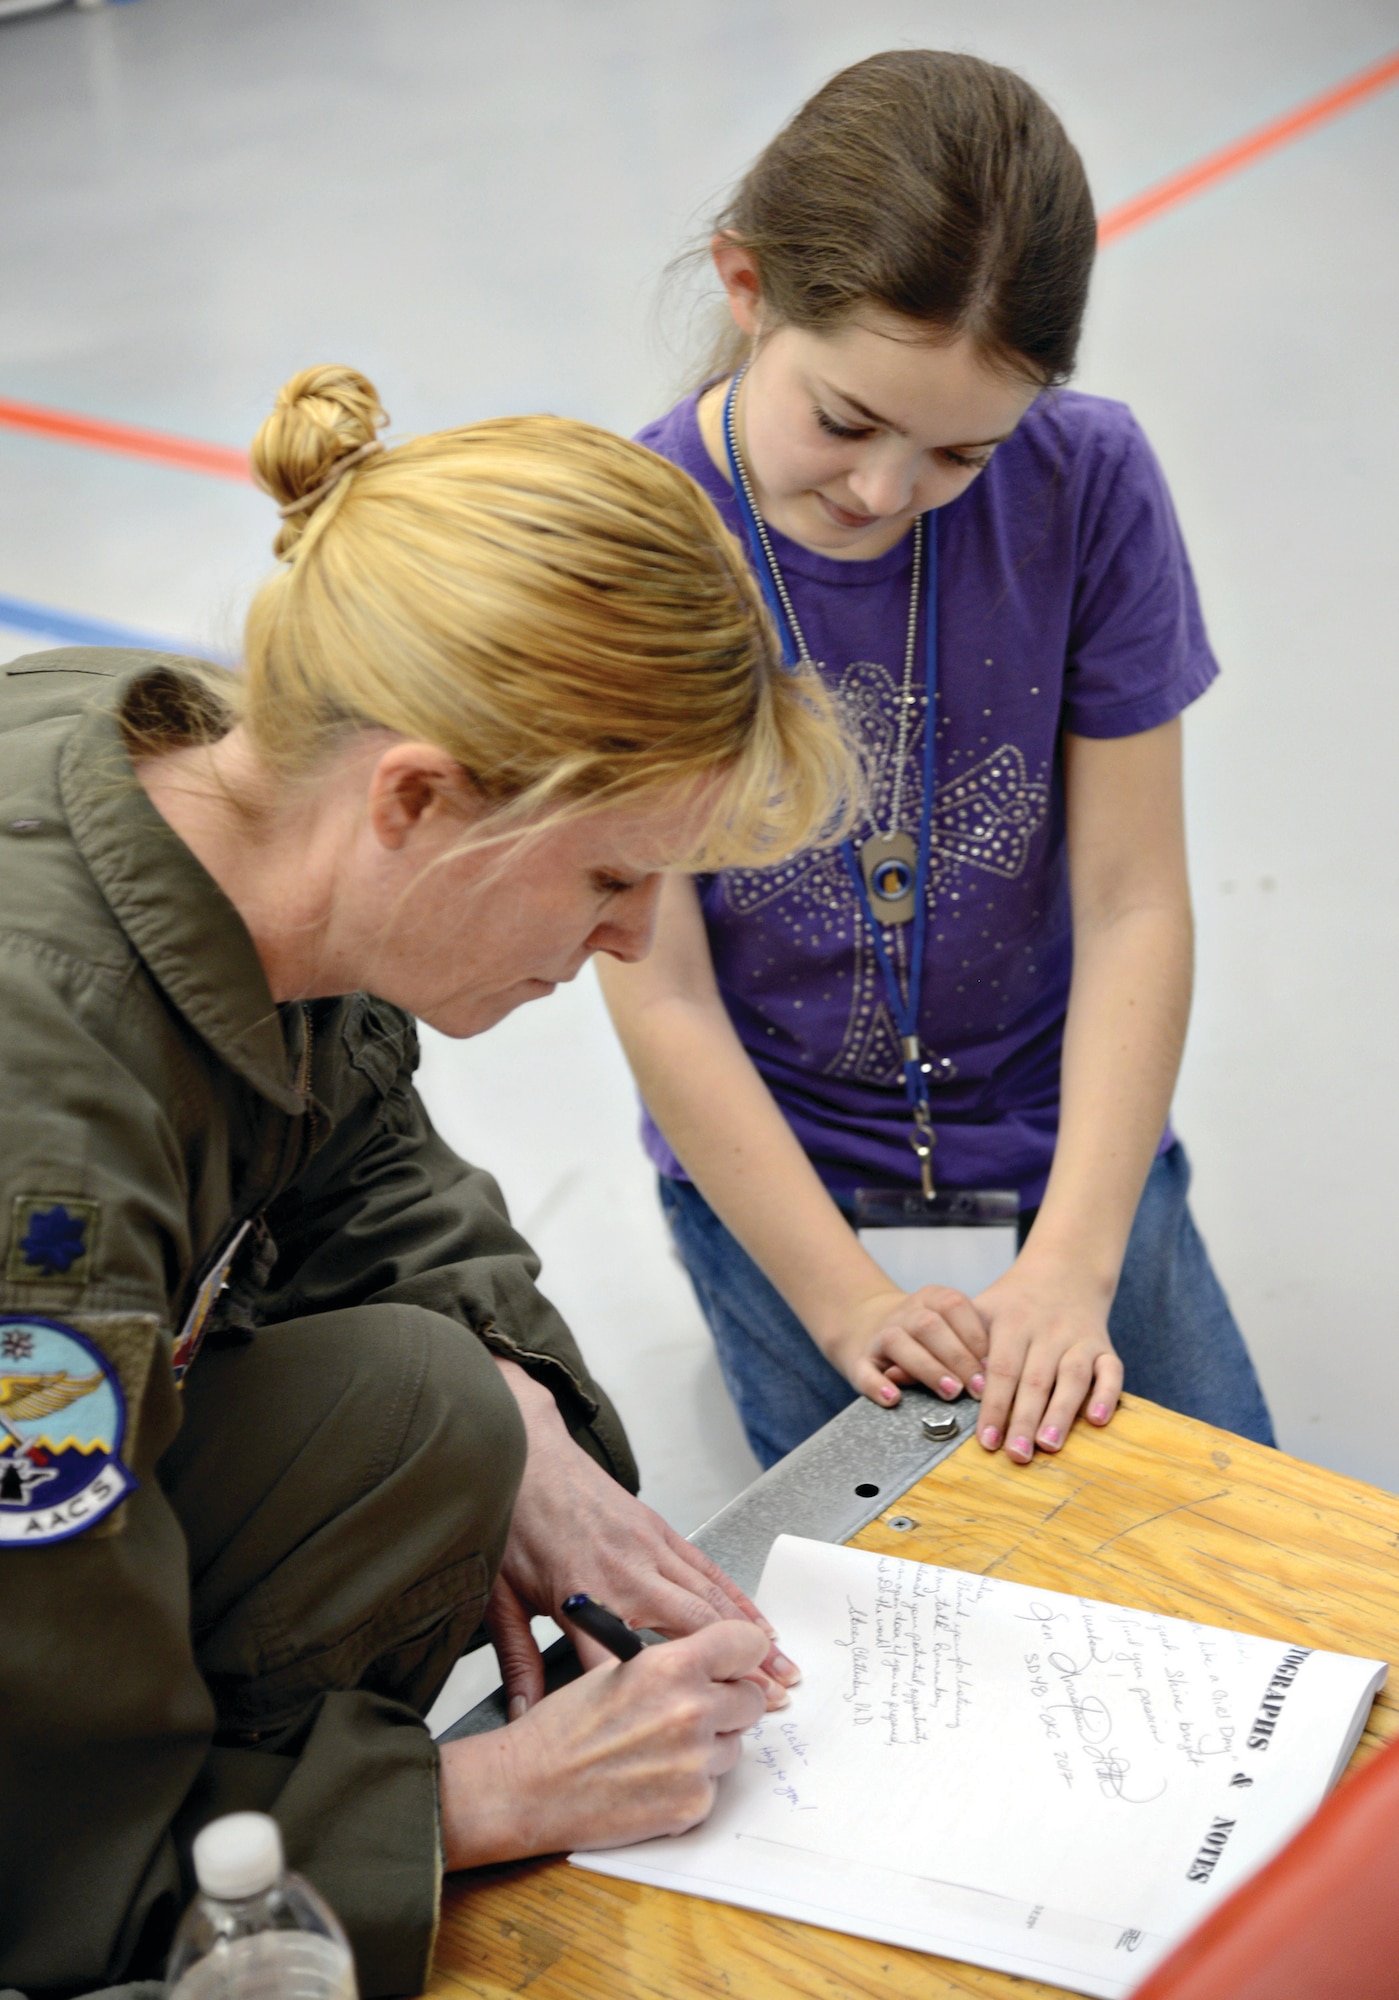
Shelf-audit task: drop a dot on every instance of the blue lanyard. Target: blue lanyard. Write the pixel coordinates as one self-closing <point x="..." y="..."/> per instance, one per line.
<point x="903" y="1008"/>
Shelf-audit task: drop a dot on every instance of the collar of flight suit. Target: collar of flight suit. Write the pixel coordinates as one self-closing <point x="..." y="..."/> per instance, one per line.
<point x="188" y="933"/>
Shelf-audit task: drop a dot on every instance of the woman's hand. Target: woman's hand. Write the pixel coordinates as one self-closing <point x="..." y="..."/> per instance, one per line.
<point x="1050" y="1354"/>
<point x="574" y="1528"/>
<point x="622" y="1754"/>
<point x="934" y="1336"/>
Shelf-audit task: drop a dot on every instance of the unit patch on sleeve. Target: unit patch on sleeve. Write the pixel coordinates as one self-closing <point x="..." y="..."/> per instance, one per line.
<point x="52" y="1238"/>
<point x="62" y="1427"/>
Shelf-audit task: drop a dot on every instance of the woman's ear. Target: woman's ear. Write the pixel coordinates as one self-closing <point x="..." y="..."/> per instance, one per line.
<point x="415" y="788"/>
<point x="738" y="274"/>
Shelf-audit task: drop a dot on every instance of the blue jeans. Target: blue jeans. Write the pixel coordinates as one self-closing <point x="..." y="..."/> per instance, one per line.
<point x="1170" y="1322"/>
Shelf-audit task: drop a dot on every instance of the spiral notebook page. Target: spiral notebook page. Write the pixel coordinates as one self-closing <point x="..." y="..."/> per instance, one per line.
<point x="1029" y="1781"/>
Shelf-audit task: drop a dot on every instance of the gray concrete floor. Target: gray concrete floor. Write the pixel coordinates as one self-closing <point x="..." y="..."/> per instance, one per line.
<point x="474" y="203"/>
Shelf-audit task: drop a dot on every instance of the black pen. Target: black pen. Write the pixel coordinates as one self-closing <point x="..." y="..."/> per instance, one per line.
<point x="601" y="1624"/>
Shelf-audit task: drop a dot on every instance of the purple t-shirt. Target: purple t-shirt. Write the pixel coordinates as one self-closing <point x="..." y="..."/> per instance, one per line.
<point x="1065" y="601"/>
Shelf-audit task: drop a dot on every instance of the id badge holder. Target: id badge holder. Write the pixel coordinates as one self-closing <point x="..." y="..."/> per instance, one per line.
<point x="963" y="1237"/>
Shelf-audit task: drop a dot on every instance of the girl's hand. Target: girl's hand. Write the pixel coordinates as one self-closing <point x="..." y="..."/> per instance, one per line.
<point x="1050" y="1354"/>
<point x="624" y="1753"/>
<point x="574" y="1528"/>
<point x="934" y="1336"/>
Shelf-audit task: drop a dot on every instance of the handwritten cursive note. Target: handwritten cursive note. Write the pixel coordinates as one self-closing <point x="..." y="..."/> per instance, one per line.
<point x="1037" y="1782"/>
<point x="1120" y="1698"/>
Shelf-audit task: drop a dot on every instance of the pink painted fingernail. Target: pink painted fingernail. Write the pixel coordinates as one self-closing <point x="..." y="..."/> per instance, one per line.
<point x="1051" y="1436"/>
<point x="518" y="1705"/>
<point x="787" y="1671"/>
<point x="990" y="1437"/>
<point x="978" y="1384"/>
<point x="888" y="1393"/>
<point x="1099" y="1413"/>
<point x="949" y="1387"/>
<point x="1020" y="1448"/>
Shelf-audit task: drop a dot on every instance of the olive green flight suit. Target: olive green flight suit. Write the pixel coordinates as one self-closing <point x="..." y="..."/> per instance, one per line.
<point x="319" y="1512"/>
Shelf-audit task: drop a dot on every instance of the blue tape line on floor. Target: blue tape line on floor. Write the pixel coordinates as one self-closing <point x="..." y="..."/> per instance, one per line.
<point x="74" y="630"/>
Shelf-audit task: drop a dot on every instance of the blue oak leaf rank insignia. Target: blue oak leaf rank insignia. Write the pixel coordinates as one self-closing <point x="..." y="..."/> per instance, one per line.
<point x="54" y="1240"/>
<point x="51" y="1240"/>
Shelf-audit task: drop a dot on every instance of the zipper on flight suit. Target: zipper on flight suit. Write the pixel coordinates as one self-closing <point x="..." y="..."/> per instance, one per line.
<point x="303" y="1078"/>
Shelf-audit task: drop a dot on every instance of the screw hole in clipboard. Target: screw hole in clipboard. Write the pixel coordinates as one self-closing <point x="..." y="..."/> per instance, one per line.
<point x="865" y="1490"/>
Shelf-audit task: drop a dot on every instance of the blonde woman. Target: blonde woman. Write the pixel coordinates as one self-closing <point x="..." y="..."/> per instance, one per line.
<point x="283" y="1418"/>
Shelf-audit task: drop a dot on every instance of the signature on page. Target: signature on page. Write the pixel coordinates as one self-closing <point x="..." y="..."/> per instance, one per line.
<point x="1071" y="1711"/>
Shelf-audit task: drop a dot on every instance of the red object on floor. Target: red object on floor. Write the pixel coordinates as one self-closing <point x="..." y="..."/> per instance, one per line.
<point x="1320" y="1922"/>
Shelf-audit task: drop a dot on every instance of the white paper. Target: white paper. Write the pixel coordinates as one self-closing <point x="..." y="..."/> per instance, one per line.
<point x="969" y="1259"/>
<point x="1039" y="1783"/>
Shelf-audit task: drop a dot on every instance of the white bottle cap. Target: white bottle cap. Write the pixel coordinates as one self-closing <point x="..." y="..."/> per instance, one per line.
<point x="239" y="1855"/>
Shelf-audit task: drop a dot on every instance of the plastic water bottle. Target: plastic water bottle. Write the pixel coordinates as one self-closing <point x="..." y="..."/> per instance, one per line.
<point x="254" y="1931"/>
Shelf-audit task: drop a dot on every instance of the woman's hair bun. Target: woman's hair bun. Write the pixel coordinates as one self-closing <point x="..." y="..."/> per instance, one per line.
<point x="321" y="417"/>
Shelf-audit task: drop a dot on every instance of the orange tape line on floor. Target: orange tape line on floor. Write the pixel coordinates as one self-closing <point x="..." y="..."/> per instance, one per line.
<point x="1253" y="146"/>
<point x="226" y="462"/>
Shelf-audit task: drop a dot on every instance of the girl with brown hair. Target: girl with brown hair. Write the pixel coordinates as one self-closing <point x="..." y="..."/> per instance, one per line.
<point x="987" y="988"/>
